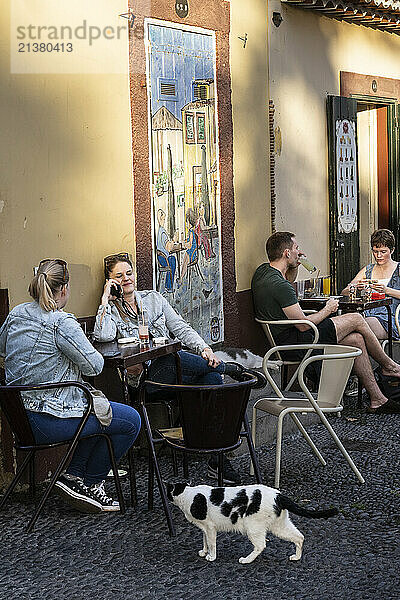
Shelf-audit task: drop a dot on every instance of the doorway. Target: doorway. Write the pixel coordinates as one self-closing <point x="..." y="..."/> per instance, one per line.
<point x="373" y="171"/>
<point x="364" y="179"/>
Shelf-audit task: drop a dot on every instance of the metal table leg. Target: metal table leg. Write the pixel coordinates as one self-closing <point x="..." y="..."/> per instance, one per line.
<point x="155" y="464"/>
<point x="252" y="451"/>
<point x="390" y="332"/>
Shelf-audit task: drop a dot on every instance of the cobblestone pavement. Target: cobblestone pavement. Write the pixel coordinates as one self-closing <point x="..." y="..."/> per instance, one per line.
<point x="72" y="556"/>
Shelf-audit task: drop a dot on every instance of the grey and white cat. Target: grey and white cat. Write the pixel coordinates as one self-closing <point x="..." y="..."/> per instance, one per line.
<point x="251" y="510"/>
<point x="246" y="358"/>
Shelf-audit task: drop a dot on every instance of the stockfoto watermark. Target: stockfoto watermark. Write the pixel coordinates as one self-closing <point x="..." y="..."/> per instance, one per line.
<point x="50" y="33"/>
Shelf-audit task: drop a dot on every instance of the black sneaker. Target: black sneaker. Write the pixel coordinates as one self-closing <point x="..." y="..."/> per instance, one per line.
<point x="99" y="497"/>
<point x="230" y="475"/>
<point x="75" y="492"/>
<point x="236" y="371"/>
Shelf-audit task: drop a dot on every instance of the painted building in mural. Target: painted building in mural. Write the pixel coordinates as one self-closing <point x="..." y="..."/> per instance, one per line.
<point x="184" y="175"/>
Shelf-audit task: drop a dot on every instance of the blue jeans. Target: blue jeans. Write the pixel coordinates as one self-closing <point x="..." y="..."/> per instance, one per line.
<point x="90" y="460"/>
<point x="195" y="370"/>
<point x="169" y="279"/>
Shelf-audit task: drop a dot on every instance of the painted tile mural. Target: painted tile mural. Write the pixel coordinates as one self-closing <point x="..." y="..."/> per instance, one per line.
<point x="185" y="179"/>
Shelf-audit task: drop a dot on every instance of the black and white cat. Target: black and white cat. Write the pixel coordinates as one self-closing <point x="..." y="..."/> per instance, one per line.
<point x="251" y="510"/>
<point x="246" y="358"/>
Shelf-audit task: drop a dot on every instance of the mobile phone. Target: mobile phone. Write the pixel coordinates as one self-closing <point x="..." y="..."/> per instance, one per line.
<point x="116" y="290"/>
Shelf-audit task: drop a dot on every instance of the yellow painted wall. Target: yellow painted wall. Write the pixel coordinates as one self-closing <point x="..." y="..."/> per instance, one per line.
<point x="249" y="75"/>
<point x="307" y="53"/>
<point x="65" y="173"/>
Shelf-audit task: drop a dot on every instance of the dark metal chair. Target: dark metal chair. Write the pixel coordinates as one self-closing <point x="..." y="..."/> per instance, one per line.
<point x="13" y="408"/>
<point x="166" y="269"/>
<point x="212" y="418"/>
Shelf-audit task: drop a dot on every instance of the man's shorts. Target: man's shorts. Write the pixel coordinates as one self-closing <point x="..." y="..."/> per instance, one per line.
<point x="292" y="335"/>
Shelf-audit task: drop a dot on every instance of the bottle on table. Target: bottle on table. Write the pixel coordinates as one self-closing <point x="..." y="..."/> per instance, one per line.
<point x="307" y="264"/>
<point x="352" y="292"/>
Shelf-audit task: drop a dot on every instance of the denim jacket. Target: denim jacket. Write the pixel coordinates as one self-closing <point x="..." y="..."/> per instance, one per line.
<point x="381" y="313"/>
<point x="163" y="321"/>
<point x="43" y="347"/>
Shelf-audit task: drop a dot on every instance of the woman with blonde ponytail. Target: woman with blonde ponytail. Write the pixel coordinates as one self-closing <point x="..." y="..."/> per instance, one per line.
<point x="43" y="344"/>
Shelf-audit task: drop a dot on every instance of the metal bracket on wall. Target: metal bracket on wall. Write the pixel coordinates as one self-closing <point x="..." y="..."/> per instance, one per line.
<point x="130" y="16"/>
<point x="244" y="40"/>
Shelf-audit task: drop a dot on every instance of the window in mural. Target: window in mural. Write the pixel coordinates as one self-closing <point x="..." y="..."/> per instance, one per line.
<point x="185" y="177"/>
<point x="189" y="127"/>
<point x="201" y="128"/>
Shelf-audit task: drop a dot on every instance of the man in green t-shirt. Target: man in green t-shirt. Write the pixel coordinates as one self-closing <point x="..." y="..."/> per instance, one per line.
<point x="275" y="299"/>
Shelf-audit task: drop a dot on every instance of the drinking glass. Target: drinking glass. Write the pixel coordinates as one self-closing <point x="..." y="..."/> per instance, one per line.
<point x="326" y="286"/>
<point x="144" y="337"/>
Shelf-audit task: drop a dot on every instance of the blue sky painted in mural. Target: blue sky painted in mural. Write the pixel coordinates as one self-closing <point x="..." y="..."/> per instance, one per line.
<point x="182" y="56"/>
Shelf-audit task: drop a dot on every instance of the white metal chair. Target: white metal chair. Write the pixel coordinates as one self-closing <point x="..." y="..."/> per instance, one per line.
<point x="282" y="363"/>
<point x="337" y="362"/>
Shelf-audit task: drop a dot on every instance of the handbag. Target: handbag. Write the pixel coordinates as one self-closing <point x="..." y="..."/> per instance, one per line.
<point x="101" y="406"/>
<point x="389" y="386"/>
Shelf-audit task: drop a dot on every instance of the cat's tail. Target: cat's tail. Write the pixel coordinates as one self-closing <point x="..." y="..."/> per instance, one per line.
<point x="282" y="502"/>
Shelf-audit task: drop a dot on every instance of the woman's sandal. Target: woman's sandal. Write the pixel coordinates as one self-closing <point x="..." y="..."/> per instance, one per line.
<point x="389" y="408"/>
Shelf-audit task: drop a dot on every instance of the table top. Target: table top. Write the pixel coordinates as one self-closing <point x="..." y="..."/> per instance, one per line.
<point x="127" y="355"/>
<point x="345" y="304"/>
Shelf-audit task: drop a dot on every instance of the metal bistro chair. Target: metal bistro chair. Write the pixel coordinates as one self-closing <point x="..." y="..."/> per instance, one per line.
<point x="396" y="320"/>
<point x="337" y="362"/>
<point x="13" y="408"/>
<point x="384" y="344"/>
<point x="211" y="417"/>
<point x="163" y="269"/>
<point x="283" y="363"/>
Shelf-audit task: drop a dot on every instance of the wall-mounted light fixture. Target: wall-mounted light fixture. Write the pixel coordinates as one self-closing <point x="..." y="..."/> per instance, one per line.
<point x="277" y="18"/>
<point x="182" y="8"/>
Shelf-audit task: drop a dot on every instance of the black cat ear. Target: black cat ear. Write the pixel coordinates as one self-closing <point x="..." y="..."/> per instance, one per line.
<point x="178" y="489"/>
<point x="169" y="487"/>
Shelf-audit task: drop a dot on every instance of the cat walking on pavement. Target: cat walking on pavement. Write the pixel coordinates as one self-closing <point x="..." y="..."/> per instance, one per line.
<point x="251" y="510"/>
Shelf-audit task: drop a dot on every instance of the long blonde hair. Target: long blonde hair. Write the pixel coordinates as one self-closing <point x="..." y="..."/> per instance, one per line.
<point x="51" y="276"/>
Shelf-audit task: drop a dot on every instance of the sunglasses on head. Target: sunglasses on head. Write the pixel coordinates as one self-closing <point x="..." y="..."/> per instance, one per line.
<point x="59" y="261"/>
<point x="121" y="256"/>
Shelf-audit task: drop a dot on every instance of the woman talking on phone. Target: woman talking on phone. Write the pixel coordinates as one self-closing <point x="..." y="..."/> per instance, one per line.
<point x="43" y="344"/>
<point x="119" y="317"/>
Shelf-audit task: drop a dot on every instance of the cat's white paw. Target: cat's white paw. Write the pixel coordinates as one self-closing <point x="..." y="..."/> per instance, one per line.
<point x="202" y="553"/>
<point x="210" y="558"/>
<point x="244" y="560"/>
<point x="294" y="557"/>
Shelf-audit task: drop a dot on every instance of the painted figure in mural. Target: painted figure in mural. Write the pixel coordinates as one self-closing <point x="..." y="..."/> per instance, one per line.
<point x="275" y="299"/>
<point x="42" y="343"/>
<point x="203" y="240"/>
<point x="383" y="276"/>
<point x="164" y="246"/>
<point x="190" y="243"/>
<point x="119" y="317"/>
